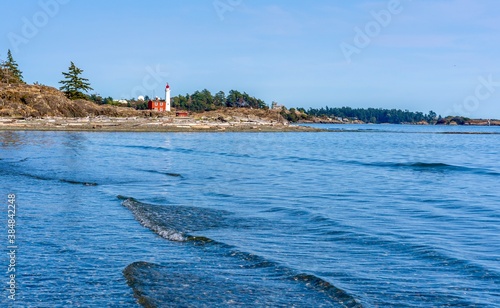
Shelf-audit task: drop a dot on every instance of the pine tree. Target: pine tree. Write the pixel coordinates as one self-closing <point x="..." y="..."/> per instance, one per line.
<point x="73" y="85"/>
<point x="10" y="72"/>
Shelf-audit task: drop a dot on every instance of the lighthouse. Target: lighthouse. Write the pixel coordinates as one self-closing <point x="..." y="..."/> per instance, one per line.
<point x="167" y="98"/>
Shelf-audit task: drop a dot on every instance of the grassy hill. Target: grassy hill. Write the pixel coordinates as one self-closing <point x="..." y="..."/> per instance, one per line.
<point x="21" y="100"/>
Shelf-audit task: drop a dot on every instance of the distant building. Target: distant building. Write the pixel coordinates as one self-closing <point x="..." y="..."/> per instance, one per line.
<point x="182" y="114"/>
<point x="160" y="105"/>
<point x="157" y="105"/>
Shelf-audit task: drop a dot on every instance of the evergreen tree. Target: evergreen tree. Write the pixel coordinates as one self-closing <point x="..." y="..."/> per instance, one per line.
<point x="10" y="72"/>
<point x="220" y="99"/>
<point x="73" y="85"/>
<point x="204" y="101"/>
<point x="373" y="115"/>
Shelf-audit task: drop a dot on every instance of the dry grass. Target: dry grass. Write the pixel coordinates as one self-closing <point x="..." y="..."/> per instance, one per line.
<point x="41" y="101"/>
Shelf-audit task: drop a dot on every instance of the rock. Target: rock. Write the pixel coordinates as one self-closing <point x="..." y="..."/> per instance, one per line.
<point x="37" y="101"/>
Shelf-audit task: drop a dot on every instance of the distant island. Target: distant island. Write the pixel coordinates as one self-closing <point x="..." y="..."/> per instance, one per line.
<point x="387" y="116"/>
<point x="41" y="107"/>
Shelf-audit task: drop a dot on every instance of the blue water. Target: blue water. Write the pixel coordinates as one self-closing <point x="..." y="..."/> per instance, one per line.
<point x="363" y="216"/>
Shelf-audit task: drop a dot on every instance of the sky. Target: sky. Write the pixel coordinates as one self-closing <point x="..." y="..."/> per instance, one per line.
<point x="417" y="55"/>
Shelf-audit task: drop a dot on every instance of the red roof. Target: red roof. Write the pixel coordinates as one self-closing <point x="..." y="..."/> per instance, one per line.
<point x="168" y="87"/>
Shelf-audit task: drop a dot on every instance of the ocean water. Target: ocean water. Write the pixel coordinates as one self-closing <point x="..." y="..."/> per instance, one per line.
<point x="362" y="216"/>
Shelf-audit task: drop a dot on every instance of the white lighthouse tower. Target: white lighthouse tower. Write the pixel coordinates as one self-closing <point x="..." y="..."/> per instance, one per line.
<point x="167" y="98"/>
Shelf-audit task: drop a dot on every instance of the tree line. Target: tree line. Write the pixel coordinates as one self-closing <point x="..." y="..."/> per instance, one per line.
<point x="204" y="101"/>
<point x="375" y="115"/>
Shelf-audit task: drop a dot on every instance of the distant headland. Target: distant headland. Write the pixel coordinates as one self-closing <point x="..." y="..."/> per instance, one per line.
<point x="40" y="107"/>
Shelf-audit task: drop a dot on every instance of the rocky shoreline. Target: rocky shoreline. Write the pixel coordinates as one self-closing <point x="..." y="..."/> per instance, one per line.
<point x="145" y="124"/>
<point x="42" y="108"/>
<point x="211" y="123"/>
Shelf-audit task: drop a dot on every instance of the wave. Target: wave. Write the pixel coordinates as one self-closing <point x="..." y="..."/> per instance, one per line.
<point x="329" y="290"/>
<point x="171" y="174"/>
<point x="188" y="151"/>
<point x="44" y="178"/>
<point x="344" y="234"/>
<point x="173" y="222"/>
<point x="446" y="167"/>
<point x="434" y="166"/>
<point x="14" y="161"/>
<point x="243" y="278"/>
<point x="468" y="133"/>
<point x="47" y="178"/>
<point x="10" y="169"/>
<point x="145" y="147"/>
<point x="78" y="182"/>
<point x="301" y="159"/>
<point x="442" y="260"/>
<point x="423" y="166"/>
<point x="203" y="285"/>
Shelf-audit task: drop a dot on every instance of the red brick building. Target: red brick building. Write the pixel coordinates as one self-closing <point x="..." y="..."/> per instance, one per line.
<point x="157" y="105"/>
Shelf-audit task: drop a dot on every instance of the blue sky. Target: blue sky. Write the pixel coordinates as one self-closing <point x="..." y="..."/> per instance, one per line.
<point x="417" y="55"/>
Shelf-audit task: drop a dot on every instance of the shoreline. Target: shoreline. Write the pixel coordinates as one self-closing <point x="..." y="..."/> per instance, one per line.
<point x="160" y="124"/>
<point x="140" y="124"/>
